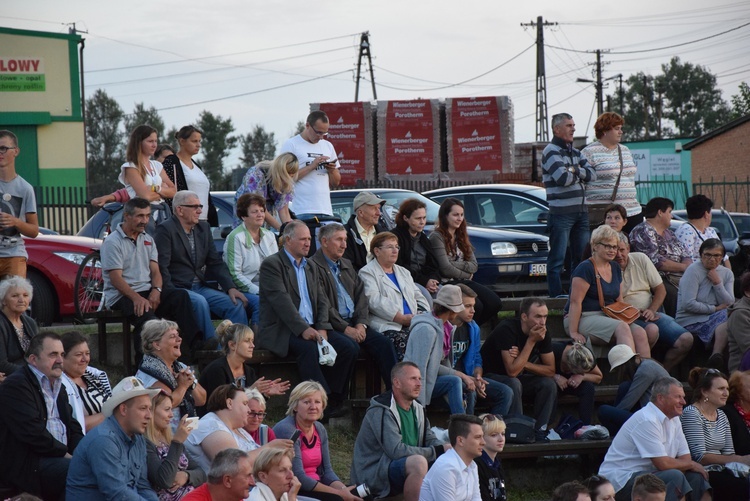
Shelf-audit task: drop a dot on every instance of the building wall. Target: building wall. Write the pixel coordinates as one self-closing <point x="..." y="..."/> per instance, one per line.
<point x="723" y="156"/>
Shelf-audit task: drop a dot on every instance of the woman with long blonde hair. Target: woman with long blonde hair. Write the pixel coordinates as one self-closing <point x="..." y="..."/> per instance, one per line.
<point x="274" y="181"/>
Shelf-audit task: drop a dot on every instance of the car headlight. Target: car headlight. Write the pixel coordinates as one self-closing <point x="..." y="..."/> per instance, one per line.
<point x="503" y="249"/>
<point x="73" y="257"/>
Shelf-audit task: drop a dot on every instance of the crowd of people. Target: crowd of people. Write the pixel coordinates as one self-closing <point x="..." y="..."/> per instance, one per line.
<point x="326" y="289"/>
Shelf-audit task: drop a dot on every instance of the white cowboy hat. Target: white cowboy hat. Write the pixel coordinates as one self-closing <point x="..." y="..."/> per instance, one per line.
<point x="129" y="387"/>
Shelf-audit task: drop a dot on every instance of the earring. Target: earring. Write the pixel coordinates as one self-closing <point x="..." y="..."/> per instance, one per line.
<point x="705" y="400"/>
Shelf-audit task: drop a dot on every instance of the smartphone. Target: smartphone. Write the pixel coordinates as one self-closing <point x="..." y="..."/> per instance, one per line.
<point x="295" y="435"/>
<point x="192" y="423"/>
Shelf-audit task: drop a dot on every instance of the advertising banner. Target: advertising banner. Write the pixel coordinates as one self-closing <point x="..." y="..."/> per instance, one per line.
<point x="410" y="137"/>
<point x="22" y="74"/>
<point x="350" y="132"/>
<point x="474" y="134"/>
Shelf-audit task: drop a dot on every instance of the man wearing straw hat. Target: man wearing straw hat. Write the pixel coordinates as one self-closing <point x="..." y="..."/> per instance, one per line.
<point x="110" y="462"/>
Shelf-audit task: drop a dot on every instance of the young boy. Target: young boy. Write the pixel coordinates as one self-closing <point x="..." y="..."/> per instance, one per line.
<point x="491" y="476"/>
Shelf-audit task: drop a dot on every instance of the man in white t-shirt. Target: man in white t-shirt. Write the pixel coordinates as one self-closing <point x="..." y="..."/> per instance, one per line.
<point x="318" y="173"/>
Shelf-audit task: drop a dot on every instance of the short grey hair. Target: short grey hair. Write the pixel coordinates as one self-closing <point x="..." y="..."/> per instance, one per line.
<point x="560" y="118"/>
<point x="290" y="229"/>
<point x="254" y="394"/>
<point x="181" y="197"/>
<point x="662" y="386"/>
<point x="327" y="230"/>
<point x="153" y="331"/>
<point x="225" y="463"/>
<point x="15" y="282"/>
<point x="624" y="238"/>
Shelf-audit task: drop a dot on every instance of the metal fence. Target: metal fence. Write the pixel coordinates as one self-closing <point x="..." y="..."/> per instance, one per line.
<point x="673" y="188"/>
<point x="732" y="195"/>
<point x="62" y="209"/>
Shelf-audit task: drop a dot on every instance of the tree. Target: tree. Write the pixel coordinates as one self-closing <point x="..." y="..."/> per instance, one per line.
<point x="640" y="108"/>
<point x="104" y="142"/>
<point x="741" y="102"/>
<point x="257" y="145"/>
<point x="298" y="128"/>
<point x="217" y="143"/>
<point x="143" y="116"/>
<point x="170" y="139"/>
<point x="693" y="103"/>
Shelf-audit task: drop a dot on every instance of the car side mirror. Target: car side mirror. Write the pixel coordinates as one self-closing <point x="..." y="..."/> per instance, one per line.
<point x="542" y="217"/>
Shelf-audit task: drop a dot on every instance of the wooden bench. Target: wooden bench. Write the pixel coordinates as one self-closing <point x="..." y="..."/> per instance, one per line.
<point x="104" y="317"/>
<point x="556" y="448"/>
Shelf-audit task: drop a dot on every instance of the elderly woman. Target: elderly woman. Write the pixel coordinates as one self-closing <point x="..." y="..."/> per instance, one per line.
<point x="246" y="247"/>
<point x="160" y="369"/>
<point x="576" y="373"/>
<point x="706" y="291"/>
<point x="16" y="327"/>
<point x="737" y="411"/>
<point x="238" y="342"/>
<point x="171" y="471"/>
<point x="456" y="260"/>
<point x="614" y="166"/>
<point x="393" y="297"/>
<point x="738" y="325"/>
<point x="185" y="172"/>
<point x="274" y="181"/>
<point x="256" y="413"/>
<point x="275" y="480"/>
<point x="312" y="462"/>
<point x="638" y="375"/>
<point x="583" y="312"/>
<point x="87" y="386"/>
<point x="415" y="252"/>
<point x="708" y="434"/>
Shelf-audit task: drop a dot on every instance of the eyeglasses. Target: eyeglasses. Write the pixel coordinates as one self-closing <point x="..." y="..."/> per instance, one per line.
<point x="390" y="247"/>
<point x="194" y="206"/>
<point x="492" y="417"/>
<point x="609" y="247"/>
<point x="712" y="256"/>
<point x="257" y="415"/>
<point x="4" y="149"/>
<point x="321" y="134"/>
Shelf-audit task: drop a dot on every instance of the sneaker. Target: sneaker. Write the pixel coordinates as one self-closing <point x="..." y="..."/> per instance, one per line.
<point x="541" y="435"/>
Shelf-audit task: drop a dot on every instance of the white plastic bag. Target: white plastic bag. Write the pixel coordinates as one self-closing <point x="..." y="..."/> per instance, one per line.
<point x="327" y="355"/>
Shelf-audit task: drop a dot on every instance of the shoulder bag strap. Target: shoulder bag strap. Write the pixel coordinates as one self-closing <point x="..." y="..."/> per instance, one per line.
<point x="598" y="284"/>
<point x="617" y="184"/>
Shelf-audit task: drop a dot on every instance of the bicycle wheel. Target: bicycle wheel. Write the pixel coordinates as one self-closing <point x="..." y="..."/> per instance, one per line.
<point x="89" y="285"/>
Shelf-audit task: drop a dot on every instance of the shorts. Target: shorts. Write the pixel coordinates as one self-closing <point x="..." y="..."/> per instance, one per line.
<point x="595" y="324"/>
<point x="397" y="476"/>
<point x="669" y="329"/>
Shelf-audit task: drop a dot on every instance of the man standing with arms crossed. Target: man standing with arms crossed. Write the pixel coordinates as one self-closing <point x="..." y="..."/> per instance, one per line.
<point x="17" y="209"/>
<point x="565" y="173"/>
<point x="318" y="172"/>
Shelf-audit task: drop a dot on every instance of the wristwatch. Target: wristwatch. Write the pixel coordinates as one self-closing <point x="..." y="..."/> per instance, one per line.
<point x="157" y="288"/>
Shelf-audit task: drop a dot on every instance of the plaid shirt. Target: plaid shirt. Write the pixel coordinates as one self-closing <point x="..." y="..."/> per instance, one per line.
<point x="50" y="391"/>
<point x="659" y="248"/>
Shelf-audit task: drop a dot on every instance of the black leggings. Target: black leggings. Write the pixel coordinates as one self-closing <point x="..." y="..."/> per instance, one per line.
<point x="488" y="303"/>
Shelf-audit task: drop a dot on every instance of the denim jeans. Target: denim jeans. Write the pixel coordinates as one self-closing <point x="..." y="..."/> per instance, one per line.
<point x="565" y="229"/>
<point x="253" y="308"/>
<point x="499" y="397"/>
<point x="207" y="300"/>
<point x="669" y="330"/>
<point x="451" y="388"/>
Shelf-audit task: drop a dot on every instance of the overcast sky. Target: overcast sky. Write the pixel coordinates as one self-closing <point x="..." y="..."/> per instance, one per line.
<point x="278" y="56"/>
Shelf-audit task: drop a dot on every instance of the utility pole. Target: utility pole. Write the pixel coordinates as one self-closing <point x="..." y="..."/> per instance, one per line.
<point x="364" y="51"/>
<point x="645" y="106"/>
<point x="542" y="131"/>
<point x="622" y="97"/>
<point x="599" y="84"/>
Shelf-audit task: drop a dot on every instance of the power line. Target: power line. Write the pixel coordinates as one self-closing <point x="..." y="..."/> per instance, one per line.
<point x="557" y="103"/>
<point x="200" y="59"/>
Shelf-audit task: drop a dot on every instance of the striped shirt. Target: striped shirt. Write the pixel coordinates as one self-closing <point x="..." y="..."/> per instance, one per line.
<point x="704" y="436"/>
<point x="607" y="164"/>
<point x="564" y="173"/>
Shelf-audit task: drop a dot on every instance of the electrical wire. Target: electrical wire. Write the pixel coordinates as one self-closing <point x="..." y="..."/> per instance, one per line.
<point x="557" y="103"/>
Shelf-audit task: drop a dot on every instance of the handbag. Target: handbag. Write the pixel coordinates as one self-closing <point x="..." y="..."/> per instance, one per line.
<point x="598" y="210"/>
<point x="619" y="310"/>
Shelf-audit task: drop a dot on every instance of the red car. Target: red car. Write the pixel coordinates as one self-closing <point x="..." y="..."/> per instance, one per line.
<point x="52" y="267"/>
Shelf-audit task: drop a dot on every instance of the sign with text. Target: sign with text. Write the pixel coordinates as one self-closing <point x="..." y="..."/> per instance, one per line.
<point x="22" y="74"/>
<point x="642" y="159"/>
<point x="410" y="132"/>
<point x="347" y="131"/>
<point x="475" y="140"/>
<point x="666" y="165"/>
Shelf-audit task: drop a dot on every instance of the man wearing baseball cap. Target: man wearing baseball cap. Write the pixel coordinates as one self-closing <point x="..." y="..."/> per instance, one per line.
<point x="361" y="227"/>
<point x="430" y="346"/>
<point x="110" y="462"/>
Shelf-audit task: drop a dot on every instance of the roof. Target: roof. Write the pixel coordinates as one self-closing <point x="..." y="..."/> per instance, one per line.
<point x="716" y="132"/>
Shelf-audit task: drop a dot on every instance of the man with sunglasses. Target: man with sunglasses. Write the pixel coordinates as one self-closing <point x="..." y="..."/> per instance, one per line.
<point x="318" y="172"/>
<point x="188" y="260"/>
<point x="17" y="209"/>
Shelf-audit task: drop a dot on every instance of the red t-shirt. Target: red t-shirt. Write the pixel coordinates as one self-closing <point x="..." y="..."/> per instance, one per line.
<point x="200" y="494"/>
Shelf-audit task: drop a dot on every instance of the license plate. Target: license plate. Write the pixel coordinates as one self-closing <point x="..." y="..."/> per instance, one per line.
<point x="538" y="270"/>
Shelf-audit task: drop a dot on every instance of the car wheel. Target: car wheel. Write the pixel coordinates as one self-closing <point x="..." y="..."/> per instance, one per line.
<point x="43" y="306"/>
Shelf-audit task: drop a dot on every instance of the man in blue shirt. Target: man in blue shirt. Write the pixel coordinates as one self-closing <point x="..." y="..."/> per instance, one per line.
<point x="294" y="317"/>
<point x="110" y="463"/>
<point x="349" y="310"/>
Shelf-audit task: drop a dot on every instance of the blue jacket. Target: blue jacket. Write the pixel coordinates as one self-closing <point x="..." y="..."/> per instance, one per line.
<point x="473" y="357"/>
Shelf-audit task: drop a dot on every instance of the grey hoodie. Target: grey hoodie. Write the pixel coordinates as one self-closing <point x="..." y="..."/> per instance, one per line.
<point x="379" y="443"/>
<point x="739" y="331"/>
<point x="425" y="348"/>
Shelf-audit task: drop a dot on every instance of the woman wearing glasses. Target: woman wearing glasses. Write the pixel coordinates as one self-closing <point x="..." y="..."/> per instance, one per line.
<point x="706" y="291"/>
<point x="709" y="435"/>
<point x="256" y="413"/>
<point x="584" y="317"/>
<point x="238" y="342"/>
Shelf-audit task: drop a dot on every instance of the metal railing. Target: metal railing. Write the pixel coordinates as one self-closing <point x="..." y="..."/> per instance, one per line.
<point x="733" y="195"/>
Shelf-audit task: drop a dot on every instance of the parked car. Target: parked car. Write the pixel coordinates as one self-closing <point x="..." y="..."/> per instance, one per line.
<point x="507" y="206"/>
<point x="721" y="220"/>
<point x="741" y="222"/>
<point x="51" y="268"/>
<point x="510" y="262"/>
